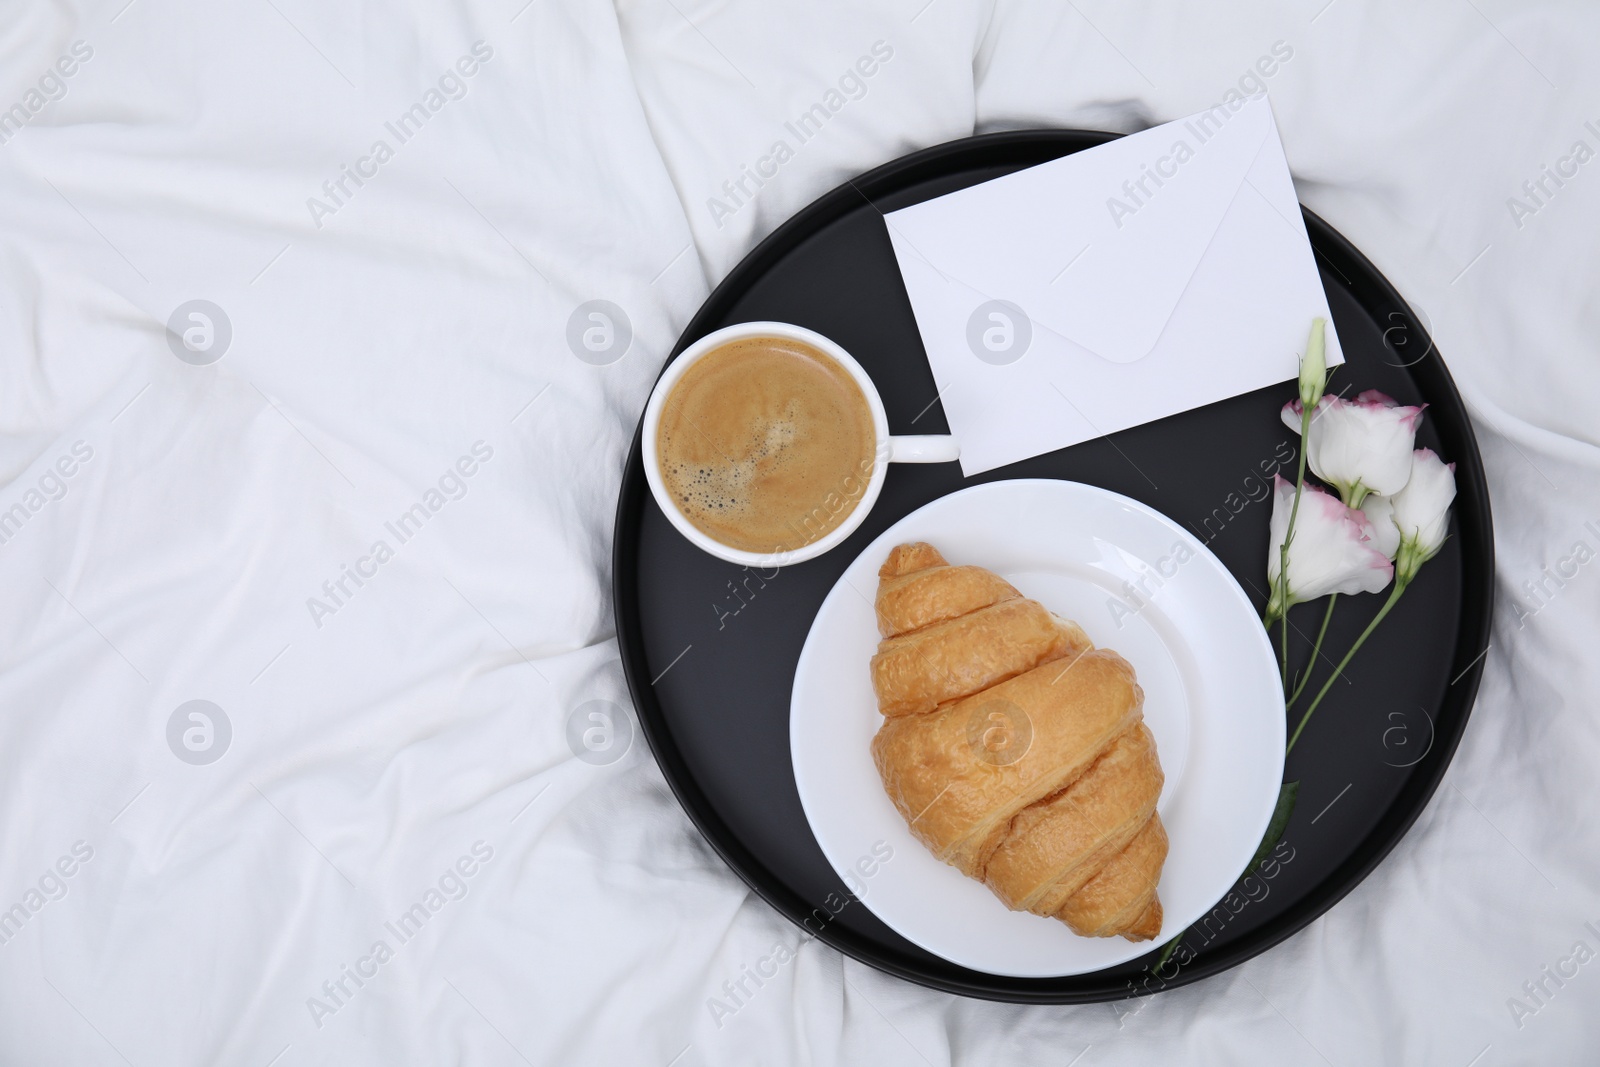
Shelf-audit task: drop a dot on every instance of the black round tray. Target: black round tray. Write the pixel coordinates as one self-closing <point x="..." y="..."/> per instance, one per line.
<point x="710" y="648"/>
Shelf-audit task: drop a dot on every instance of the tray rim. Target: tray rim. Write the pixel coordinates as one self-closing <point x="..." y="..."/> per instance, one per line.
<point x="1369" y="287"/>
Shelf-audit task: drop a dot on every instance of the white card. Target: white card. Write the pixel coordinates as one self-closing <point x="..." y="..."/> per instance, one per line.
<point x="1156" y="273"/>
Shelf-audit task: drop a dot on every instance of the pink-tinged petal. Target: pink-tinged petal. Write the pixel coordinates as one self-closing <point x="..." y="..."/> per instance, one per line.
<point x="1324" y="505"/>
<point x="1422" y="508"/>
<point x="1331" y="551"/>
<point x="1367" y="444"/>
<point x="1378" y="522"/>
<point x="1373" y="398"/>
<point x="1291" y="415"/>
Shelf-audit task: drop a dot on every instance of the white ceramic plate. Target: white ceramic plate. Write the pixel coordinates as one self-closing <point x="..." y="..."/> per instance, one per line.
<point x="1137" y="582"/>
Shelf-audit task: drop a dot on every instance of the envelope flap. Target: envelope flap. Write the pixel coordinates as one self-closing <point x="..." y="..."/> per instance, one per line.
<point x="1097" y="246"/>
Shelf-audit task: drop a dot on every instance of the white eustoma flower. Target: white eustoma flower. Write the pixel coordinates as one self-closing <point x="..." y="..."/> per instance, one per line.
<point x="1359" y="446"/>
<point x="1380" y="527"/>
<point x="1422" y="510"/>
<point x="1330" y="552"/>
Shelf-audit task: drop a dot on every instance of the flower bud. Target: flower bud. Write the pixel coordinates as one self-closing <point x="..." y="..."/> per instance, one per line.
<point x="1314" y="365"/>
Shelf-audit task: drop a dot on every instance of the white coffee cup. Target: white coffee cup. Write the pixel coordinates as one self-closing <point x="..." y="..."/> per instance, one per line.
<point x="917" y="449"/>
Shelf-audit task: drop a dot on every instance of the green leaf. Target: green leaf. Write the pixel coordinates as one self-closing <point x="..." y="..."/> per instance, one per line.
<point x="1275" y="827"/>
<point x="1279" y="822"/>
<point x="1172" y="946"/>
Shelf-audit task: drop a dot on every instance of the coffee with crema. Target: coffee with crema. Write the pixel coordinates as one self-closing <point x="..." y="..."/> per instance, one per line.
<point x="766" y="444"/>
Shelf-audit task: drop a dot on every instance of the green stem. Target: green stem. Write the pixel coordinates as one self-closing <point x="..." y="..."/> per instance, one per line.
<point x="1282" y="591"/>
<point x="1283" y="655"/>
<point x="1394" y="598"/>
<point x="1316" y="649"/>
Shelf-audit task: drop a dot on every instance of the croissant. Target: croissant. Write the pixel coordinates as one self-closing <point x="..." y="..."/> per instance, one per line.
<point x="1015" y="750"/>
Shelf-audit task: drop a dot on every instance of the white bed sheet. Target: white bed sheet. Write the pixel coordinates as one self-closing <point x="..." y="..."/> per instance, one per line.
<point x="414" y="727"/>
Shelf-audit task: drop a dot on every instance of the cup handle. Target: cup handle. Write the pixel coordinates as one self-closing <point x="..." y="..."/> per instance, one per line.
<point x="930" y="448"/>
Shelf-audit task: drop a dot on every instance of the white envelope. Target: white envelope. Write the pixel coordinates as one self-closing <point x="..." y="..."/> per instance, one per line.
<point x="1159" y="272"/>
